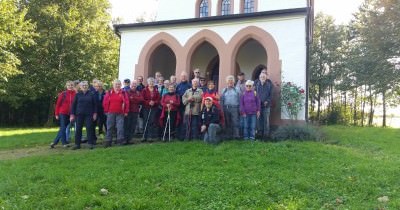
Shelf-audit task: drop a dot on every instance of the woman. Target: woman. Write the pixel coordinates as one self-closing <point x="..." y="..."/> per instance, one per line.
<point x="211" y="92"/>
<point x="135" y="100"/>
<point x="84" y="110"/>
<point x="62" y="113"/>
<point x="116" y="107"/>
<point x="170" y="103"/>
<point x="250" y="110"/>
<point x="101" y="117"/>
<point x="151" y="101"/>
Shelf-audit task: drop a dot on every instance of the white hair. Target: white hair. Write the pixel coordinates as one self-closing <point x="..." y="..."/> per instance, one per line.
<point x="116" y="81"/>
<point x="83" y="83"/>
<point x="249" y="82"/>
<point x="195" y="79"/>
<point x="230" y="77"/>
<point x="149" y="80"/>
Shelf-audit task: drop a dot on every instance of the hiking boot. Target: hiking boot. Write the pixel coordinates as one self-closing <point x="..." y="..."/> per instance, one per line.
<point x="52" y="146"/>
<point x="76" y="147"/>
<point x="65" y="145"/>
<point x="107" y="144"/>
<point x="91" y="146"/>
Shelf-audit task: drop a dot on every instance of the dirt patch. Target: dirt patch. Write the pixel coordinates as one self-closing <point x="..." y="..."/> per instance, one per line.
<point x="27" y="152"/>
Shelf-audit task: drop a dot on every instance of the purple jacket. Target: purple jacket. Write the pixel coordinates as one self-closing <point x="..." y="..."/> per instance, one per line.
<point x="249" y="103"/>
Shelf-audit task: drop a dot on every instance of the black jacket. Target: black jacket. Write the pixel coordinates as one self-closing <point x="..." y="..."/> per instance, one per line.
<point x="211" y="116"/>
<point x="84" y="104"/>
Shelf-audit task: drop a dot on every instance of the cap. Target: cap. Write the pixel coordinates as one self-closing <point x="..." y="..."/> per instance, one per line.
<point x="208" y="98"/>
<point x="127" y="80"/>
<point x="241" y="74"/>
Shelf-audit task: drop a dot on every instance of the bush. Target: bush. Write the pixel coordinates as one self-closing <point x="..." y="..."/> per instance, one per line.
<point x="298" y="132"/>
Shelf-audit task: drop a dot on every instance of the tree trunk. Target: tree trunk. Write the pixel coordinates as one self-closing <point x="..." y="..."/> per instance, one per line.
<point x="50" y="115"/>
<point x="363" y="106"/>
<point x="371" y="109"/>
<point x="319" y="104"/>
<point x="355" y="108"/>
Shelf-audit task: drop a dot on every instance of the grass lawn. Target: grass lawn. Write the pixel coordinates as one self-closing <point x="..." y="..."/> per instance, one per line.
<point x="351" y="170"/>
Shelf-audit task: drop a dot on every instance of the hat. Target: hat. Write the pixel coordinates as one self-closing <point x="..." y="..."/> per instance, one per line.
<point x="127" y="81"/>
<point x="208" y="98"/>
<point x="241" y="74"/>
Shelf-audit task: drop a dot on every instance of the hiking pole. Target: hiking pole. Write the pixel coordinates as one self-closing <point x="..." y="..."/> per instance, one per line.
<point x="147" y="121"/>
<point x="188" y="131"/>
<point x="165" y="127"/>
<point x="169" y="127"/>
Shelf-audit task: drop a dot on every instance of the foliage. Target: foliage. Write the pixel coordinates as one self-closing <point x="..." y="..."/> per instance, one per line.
<point x="298" y="132"/>
<point x="16" y="33"/>
<point x="352" y="171"/>
<point x="292" y="99"/>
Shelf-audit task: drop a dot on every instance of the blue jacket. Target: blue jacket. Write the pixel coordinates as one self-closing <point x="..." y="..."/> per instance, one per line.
<point x="84" y="104"/>
<point x="264" y="92"/>
<point x="182" y="87"/>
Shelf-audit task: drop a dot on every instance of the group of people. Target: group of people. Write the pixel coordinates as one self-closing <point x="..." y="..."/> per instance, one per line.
<point x="165" y="109"/>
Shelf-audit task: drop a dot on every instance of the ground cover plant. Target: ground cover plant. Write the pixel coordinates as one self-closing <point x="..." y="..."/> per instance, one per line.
<point x="354" y="169"/>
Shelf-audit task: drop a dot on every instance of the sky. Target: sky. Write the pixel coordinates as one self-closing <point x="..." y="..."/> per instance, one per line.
<point x="129" y="10"/>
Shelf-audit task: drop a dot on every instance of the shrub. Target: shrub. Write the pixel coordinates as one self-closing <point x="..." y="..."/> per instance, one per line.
<point x="298" y="132"/>
<point x="292" y="99"/>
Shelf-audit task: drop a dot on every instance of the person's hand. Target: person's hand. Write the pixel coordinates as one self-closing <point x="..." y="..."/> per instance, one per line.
<point x="169" y="107"/>
<point x="217" y="96"/>
<point x="151" y="103"/>
<point x="126" y="114"/>
<point x="171" y="101"/>
<point x="56" y="117"/>
<point x="72" y="118"/>
<point x="203" y="128"/>
<point x="258" y="114"/>
<point x="191" y="99"/>
<point x="266" y="103"/>
<point x="94" y="116"/>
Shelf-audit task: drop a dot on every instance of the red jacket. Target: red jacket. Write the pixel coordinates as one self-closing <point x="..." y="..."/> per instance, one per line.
<point x="175" y="101"/>
<point x="135" y="99"/>
<point x="213" y="96"/>
<point x="116" y="102"/>
<point x="151" y="96"/>
<point x="64" y="101"/>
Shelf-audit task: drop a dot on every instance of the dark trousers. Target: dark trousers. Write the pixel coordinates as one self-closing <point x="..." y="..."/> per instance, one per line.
<point x="192" y="127"/>
<point x="130" y="123"/>
<point x="101" y="122"/>
<point x="149" y="118"/>
<point x="88" y="120"/>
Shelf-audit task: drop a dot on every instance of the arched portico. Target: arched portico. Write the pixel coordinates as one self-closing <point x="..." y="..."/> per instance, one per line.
<point x="273" y="62"/>
<point x="144" y="62"/>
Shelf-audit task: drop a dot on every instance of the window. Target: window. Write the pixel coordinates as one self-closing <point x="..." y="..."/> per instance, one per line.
<point x="248" y="6"/>
<point x="203" y="8"/>
<point x="226" y="7"/>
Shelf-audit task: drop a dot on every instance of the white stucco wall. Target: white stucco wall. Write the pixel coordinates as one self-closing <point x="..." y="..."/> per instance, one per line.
<point x="183" y="9"/>
<point x="289" y="34"/>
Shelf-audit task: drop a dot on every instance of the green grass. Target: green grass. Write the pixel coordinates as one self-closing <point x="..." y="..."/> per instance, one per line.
<point x="351" y="170"/>
<point x="11" y="138"/>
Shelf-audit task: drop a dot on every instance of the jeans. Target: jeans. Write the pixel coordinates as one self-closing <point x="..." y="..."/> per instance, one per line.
<point x="88" y="120"/>
<point x="191" y="122"/>
<point x="130" y="122"/>
<point x="62" y="132"/>
<point x="115" y="121"/>
<point x="211" y="134"/>
<point x="249" y="131"/>
<point x="231" y="121"/>
<point x="263" y="122"/>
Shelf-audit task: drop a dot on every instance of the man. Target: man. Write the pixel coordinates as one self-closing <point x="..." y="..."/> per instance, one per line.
<point x="135" y="100"/>
<point x="210" y="121"/>
<point x="101" y="117"/>
<point x="203" y="84"/>
<point x="140" y="85"/>
<point x="180" y="90"/>
<point x="240" y="84"/>
<point x="264" y="92"/>
<point x="157" y="76"/>
<point x="172" y="80"/>
<point x="127" y="85"/>
<point x="116" y="106"/>
<point x="196" y="74"/>
<point x="257" y="80"/>
<point x="192" y="101"/>
<point x="230" y="99"/>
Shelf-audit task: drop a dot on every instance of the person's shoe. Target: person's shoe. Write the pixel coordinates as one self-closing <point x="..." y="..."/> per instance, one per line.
<point x="52" y="146"/>
<point x="65" y="145"/>
<point x="91" y="146"/>
<point x="143" y="140"/>
<point x="76" y="147"/>
<point x="107" y="144"/>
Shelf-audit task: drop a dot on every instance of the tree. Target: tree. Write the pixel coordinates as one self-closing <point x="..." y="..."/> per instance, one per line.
<point x="16" y="33"/>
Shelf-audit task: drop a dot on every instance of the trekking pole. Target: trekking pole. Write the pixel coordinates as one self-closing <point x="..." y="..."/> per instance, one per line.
<point x="147" y="121"/>
<point x="169" y="127"/>
<point x="165" y="127"/>
<point x="188" y="131"/>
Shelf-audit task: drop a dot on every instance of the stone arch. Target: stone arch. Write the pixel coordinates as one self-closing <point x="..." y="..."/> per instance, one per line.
<point x="274" y="63"/>
<point x="144" y="58"/>
<point x="196" y="40"/>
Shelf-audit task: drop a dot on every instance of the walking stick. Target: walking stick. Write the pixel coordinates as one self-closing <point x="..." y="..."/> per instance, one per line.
<point x="165" y="129"/>
<point x="147" y="121"/>
<point x="169" y="127"/>
<point x="189" y="126"/>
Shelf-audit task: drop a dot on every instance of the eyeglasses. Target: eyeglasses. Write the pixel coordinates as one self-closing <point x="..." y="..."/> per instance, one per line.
<point x="249" y="86"/>
<point x="197" y="72"/>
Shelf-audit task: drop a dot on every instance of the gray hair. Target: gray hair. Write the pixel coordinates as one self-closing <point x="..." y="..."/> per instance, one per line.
<point x="83" y="83"/>
<point x="230" y="77"/>
<point x="196" y="79"/>
<point x="117" y="81"/>
<point x="249" y="82"/>
<point x="150" y="79"/>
